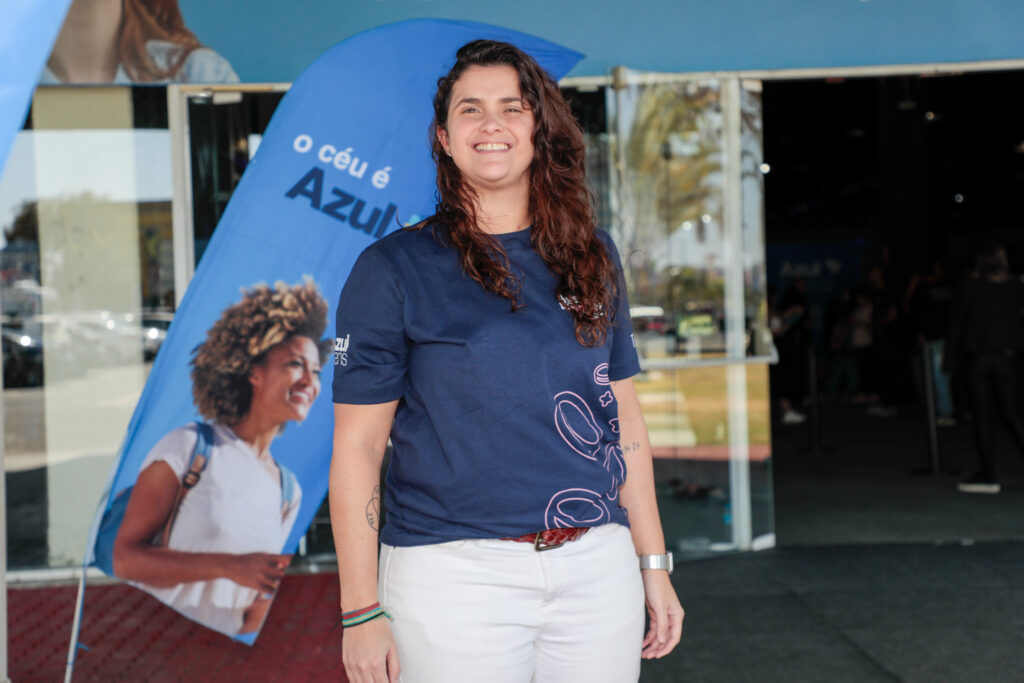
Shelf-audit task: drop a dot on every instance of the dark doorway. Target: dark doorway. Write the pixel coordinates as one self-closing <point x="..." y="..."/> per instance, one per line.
<point x="894" y="174"/>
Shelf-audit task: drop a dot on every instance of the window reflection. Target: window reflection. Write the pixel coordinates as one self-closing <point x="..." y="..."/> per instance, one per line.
<point x="706" y="409"/>
<point x="87" y="287"/>
<point x="670" y="194"/>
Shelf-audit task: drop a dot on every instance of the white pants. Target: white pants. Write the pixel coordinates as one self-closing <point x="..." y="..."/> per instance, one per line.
<point x="501" y="612"/>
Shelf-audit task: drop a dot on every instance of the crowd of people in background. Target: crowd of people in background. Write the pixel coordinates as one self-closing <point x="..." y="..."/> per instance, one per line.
<point x="878" y="344"/>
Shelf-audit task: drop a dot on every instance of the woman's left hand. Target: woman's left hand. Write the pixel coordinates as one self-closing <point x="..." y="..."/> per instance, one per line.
<point x="666" y="614"/>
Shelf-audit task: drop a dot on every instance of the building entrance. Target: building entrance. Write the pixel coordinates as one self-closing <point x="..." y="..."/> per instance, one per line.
<point x="880" y="190"/>
<point x="675" y="165"/>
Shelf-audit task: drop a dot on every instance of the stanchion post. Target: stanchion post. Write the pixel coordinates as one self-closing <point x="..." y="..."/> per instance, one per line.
<point x="814" y="412"/>
<point x="929" y="406"/>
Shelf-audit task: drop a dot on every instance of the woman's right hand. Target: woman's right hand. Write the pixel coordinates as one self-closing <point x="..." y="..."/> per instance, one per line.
<point x="369" y="654"/>
<point x="260" y="571"/>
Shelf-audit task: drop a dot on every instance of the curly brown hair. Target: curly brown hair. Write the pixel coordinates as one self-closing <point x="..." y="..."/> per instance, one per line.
<point x="241" y="339"/>
<point x="564" y="230"/>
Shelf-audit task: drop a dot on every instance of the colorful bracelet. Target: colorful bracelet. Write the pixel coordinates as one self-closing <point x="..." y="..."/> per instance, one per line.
<point x="361" y="616"/>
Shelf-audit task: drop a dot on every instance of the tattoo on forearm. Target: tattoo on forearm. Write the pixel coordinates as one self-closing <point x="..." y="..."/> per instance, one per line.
<point x="373" y="509"/>
<point x="630" y="447"/>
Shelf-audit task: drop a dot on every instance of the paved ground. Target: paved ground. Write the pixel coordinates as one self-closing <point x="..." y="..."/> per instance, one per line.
<point x="862" y="613"/>
<point x="881" y="575"/>
<point x="866" y="487"/>
<point x="845" y="613"/>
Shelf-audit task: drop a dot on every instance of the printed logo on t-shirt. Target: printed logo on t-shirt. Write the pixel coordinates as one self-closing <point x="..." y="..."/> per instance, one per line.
<point x="568" y="303"/>
<point x="572" y="303"/>
<point x="341" y="350"/>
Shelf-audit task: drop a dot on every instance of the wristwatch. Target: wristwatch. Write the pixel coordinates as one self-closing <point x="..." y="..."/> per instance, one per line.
<point x="657" y="562"/>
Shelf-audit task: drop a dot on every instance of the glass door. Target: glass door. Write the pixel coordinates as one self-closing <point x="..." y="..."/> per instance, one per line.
<point x="686" y="193"/>
<point x="215" y="132"/>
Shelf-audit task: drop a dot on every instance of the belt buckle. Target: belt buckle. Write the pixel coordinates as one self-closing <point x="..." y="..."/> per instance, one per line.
<point x="540" y="546"/>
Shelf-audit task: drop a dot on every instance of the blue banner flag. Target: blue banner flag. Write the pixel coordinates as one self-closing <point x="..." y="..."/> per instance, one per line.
<point x="27" y="32"/>
<point x="344" y="161"/>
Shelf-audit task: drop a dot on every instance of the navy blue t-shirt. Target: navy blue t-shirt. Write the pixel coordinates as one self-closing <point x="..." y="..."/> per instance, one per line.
<point x="506" y="424"/>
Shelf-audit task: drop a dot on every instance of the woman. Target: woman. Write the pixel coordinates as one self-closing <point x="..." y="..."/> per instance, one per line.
<point x="493" y="344"/>
<point x="986" y="339"/>
<point x="258" y="368"/>
<point x="126" y="41"/>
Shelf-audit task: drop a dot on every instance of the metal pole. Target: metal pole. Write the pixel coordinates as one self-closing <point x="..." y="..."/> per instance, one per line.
<point x="735" y="323"/>
<point x="3" y="538"/>
<point x="182" y="227"/>
<point x="815" y="406"/>
<point x="76" y="625"/>
<point x="929" y="406"/>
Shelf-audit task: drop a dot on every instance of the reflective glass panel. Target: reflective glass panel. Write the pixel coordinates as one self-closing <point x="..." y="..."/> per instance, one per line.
<point x="87" y="291"/>
<point x="686" y="194"/>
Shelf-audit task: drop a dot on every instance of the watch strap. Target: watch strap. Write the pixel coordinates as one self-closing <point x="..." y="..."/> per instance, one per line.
<point x="657" y="562"/>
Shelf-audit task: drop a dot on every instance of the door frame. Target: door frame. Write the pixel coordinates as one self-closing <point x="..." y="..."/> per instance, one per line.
<point x="182" y="224"/>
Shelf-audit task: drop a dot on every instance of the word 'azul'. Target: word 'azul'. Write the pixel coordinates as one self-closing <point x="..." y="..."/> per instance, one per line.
<point x="311" y="186"/>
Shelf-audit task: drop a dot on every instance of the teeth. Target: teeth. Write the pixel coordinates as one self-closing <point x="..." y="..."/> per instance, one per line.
<point x="491" y="147"/>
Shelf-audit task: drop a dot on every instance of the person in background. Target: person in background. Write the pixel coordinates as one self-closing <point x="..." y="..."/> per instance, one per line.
<point x="861" y="341"/>
<point x="927" y="301"/>
<point x="986" y="338"/>
<point x="843" y="379"/>
<point x="497" y="354"/>
<point x="790" y="325"/>
<point x="131" y="41"/>
<point x="885" y="355"/>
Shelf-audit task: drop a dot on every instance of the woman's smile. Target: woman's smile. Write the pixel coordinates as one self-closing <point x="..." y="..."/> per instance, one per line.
<point x="302" y="395"/>
<point x="287" y="382"/>
<point x="489" y="132"/>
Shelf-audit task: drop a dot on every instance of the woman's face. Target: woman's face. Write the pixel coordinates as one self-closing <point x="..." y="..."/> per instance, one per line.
<point x="287" y="382"/>
<point x="490" y="129"/>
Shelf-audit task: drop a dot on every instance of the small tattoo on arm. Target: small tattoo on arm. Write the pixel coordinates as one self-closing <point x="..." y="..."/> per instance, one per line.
<point x="630" y="447"/>
<point x="373" y="509"/>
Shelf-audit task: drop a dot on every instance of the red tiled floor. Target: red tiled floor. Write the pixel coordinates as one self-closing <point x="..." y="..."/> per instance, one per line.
<point x="133" y="637"/>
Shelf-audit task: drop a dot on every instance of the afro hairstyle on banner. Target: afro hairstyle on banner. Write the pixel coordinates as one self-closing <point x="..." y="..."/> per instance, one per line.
<point x="241" y="338"/>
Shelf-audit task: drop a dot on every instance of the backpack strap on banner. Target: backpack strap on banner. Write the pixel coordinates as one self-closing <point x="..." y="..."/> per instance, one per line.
<point x="200" y="459"/>
<point x="200" y="455"/>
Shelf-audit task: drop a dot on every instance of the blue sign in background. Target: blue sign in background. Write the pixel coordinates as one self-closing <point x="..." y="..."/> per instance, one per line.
<point x="344" y="161"/>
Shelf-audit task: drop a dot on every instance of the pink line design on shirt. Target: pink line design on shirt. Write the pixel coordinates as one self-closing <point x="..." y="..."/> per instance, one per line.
<point x="570" y="408"/>
<point x="616" y="466"/>
<point x="601" y="375"/>
<point x="606" y="399"/>
<point x="614" y="425"/>
<point x="575" y="507"/>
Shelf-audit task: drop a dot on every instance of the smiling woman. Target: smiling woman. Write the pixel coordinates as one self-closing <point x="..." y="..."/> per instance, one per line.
<point x="212" y="508"/>
<point x="497" y="357"/>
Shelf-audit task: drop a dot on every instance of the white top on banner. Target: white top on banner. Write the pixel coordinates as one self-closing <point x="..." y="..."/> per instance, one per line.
<point x="235" y="508"/>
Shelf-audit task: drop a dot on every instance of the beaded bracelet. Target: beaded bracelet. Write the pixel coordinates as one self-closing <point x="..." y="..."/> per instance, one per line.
<point x="361" y="616"/>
